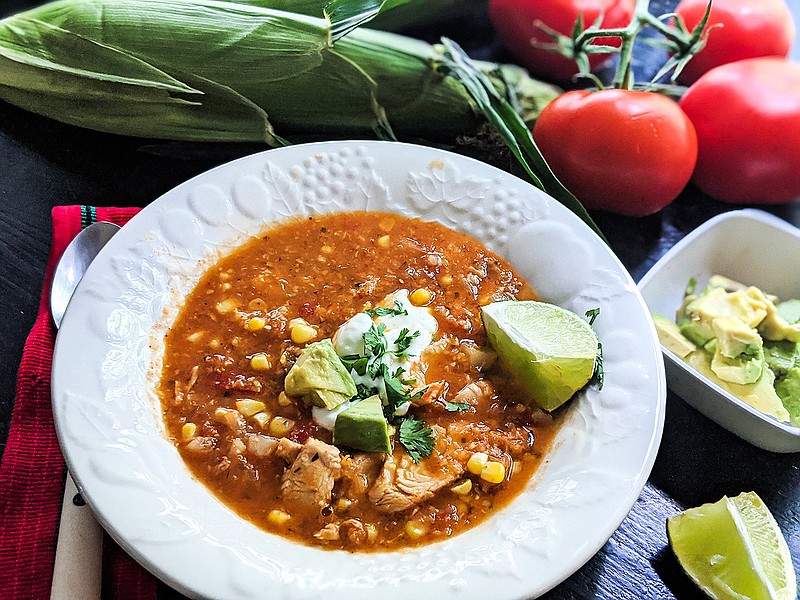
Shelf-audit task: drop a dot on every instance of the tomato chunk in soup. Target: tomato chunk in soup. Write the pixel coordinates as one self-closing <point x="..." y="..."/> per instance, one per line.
<point x="270" y="456"/>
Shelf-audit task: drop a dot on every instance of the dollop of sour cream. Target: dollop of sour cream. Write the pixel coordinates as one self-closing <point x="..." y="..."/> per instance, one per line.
<point x="349" y="340"/>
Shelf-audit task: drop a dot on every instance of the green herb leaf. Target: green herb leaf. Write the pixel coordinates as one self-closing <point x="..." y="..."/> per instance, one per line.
<point x="416" y="438"/>
<point x="456" y="406"/>
<point x="599" y="374"/>
<point x="404" y="341"/>
<point x="382" y="311"/>
<point x="592" y="315"/>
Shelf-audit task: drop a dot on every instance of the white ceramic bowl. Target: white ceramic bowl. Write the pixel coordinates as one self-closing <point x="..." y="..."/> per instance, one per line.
<point x="754" y="248"/>
<point x="109" y="349"/>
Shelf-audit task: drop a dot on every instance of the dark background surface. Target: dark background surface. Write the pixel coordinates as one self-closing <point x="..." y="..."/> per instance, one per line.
<point x="44" y="163"/>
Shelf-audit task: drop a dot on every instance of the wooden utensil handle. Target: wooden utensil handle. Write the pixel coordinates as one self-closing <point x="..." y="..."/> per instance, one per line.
<point x="78" y="563"/>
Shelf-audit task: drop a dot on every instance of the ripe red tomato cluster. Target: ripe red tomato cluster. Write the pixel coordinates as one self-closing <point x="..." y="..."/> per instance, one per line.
<point x="735" y="133"/>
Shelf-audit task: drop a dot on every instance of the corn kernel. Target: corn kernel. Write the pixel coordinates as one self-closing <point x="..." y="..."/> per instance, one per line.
<point x="260" y="362"/>
<point x="226" y="306"/>
<point x="415" y="529"/>
<point x="284" y="400"/>
<point x="280" y="426"/>
<point x="384" y="241"/>
<point x="386" y="224"/>
<point x="278" y="517"/>
<point x="485" y="299"/>
<point x="214" y="343"/>
<point x="463" y="488"/>
<point x="262" y="419"/>
<point x="446" y="280"/>
<point x="225" y="286"/>
<point x="493" y="472"/>
<point x="302" y="334"/>
<point x="188" y="432"/>
<point x="420" y="297"/>
<point x="327" y="250"/>
<point x="255" y="324"/>
<point x="476" y="462"/>
<point x="194" y="337"/>
<point x="343" y="504"/>
<point x="249" y="407"/>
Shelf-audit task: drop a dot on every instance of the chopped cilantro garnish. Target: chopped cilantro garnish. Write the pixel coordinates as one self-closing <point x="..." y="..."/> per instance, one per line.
<point x="456" y="406"/>
<point x="592" y="315"/>
<point x="404" y="341"/>
<point x="416" y="438"/>
<point x="386" y="312"/>
<point x="598" y="374"/>
<point x="374" y="341"/>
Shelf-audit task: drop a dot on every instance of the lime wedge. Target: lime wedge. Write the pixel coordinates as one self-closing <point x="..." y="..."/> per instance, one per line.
<point x="551" y="350"/>
<point x="734" y="549"/>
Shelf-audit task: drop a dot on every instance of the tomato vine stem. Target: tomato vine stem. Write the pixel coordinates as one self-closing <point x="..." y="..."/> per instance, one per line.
<point x="680" y="43"/>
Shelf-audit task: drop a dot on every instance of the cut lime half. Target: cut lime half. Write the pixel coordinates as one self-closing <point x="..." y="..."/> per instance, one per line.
<point x="734" y="549"/>
<point x="551" y="350"/>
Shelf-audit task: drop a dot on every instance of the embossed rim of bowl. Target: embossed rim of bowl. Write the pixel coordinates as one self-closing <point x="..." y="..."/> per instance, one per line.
<point x="109" y="346"/>
<point x="749" y="246"/>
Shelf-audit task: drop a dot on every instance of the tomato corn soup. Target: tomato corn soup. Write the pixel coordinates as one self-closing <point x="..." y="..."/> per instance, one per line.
<point x="331" y="382"/>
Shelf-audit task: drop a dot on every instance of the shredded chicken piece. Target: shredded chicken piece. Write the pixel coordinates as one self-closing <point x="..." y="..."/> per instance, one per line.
<point x="475" y="393"/>
<point x="436" y="391"/>
<point x="404" y="484"/>
<point x="288" y="449"/>
<point x="329" y="533"/>
<point x="354" y="531"/>
<point x="361" y="470"/>
<point x="262" y="446"/>
<point x="201" y="445"/>
<point x="309" y="480"/>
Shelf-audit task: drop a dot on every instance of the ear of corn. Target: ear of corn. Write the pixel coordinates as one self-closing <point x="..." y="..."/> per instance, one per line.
<point x="208" y="70"/>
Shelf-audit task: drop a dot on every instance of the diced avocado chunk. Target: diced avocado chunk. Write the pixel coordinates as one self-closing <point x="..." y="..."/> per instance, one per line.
<point x="738" y="351"/>
<point x="734" y="338"/>
<point x="320" y="377"/>
<point x="788" y="389"/>
<point x="671" y="337"/>
<point x="784" y="360"/>
<point x="737" y="370"/>
<point x="363" y="427"/>
<point x="789" y="311"/>
<point x="760" y="395"/>
<point x="774" y="326"/>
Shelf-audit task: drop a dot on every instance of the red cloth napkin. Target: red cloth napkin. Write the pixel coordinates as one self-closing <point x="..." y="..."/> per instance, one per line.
<point x="32" y="471"/>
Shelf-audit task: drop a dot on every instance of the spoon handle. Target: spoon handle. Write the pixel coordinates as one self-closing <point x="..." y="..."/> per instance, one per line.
<point x="78" y="563"/>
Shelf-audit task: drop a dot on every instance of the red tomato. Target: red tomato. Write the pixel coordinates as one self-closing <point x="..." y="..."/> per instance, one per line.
<point x="747" y="117"/>
<point x="515" y="22"/>
<point x="623" y="151"/>
<point x="750" y="28"/>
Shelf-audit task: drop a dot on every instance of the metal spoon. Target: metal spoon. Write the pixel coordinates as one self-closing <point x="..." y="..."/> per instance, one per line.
<point x="73" y="264"/>
<point x="78" y="561"/>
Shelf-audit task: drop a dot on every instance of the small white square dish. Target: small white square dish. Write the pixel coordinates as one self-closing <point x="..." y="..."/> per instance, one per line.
<point x="749" y="246"/>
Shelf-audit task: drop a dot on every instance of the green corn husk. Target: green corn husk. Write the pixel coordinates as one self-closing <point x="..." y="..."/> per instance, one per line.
<point x="209" y="70"/>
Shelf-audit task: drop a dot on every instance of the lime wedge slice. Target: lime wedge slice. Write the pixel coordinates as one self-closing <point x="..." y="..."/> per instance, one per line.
<point x="551" y="350"/>
<point x="734" y="549"/>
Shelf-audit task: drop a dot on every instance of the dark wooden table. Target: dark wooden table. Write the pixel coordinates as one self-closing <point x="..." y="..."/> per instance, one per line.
<point x="44" y="163"/>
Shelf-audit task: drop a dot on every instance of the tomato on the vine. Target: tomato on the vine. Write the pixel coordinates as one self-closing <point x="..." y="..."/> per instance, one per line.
<point x="741" y="29"/>
<point x="516" y="24"/>
<point x="623" y="151"/>
<point x="747" y="117"/>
